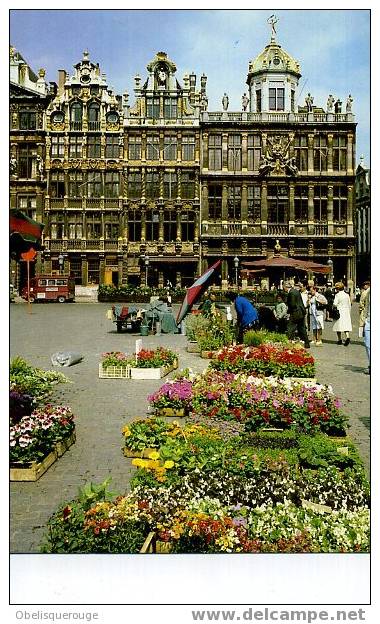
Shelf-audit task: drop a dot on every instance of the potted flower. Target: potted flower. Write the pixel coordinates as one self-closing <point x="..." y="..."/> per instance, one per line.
<point x="173" y="398"/>
<point x="153" y="363"/>
<point x="142" y="436"/>
<point x="38" y="439"/>
<point x="114" y="365"/>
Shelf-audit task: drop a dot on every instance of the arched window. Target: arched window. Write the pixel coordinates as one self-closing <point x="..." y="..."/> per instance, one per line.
<point x="94" y="116"/>
<point x="76" y="116"/>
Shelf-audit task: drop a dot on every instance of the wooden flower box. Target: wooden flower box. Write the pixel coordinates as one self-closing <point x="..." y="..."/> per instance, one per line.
<point x="171" y="412"/>
<point x="155" y="546"/>
<point x="193" y="347"/>
<point x="144" y="454"/>
<point x="152" y="373"/>
<point x="114" y="372"/>
<point x="301" y="379"/>
<point x="32" y="471"/>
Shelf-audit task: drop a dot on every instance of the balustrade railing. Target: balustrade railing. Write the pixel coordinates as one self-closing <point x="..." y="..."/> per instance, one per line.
<point x="275" y="229"/>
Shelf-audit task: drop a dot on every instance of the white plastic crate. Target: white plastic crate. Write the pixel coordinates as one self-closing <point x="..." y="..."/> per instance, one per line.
<point x="114" y="372"/>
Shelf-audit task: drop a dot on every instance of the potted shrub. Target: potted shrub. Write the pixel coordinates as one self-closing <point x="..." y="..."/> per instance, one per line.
<point x="153" y="363"/>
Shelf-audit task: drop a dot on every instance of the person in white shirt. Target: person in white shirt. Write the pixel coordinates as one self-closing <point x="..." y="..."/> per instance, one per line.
<point x="317" y="304"/>
<point x="342" y="301"/>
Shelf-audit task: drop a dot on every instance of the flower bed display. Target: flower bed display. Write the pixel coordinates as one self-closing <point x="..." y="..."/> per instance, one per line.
<point x="153" y="364"/>
<point x="36" y="441"/>
<point x="266" y="360"/>
<point x="174" y="395"/>
<point x="151" y="433"/>
<point x="30" y="381"/>
<point x="115" y="365"/>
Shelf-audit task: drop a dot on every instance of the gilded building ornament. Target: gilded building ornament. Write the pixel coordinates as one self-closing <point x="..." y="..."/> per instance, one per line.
<point x="277" y="159"/>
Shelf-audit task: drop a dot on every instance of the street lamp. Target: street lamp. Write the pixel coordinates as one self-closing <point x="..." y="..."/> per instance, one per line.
<point x="146" y="262"/>
<point x="61" y="261"/>
<point x="236" y="265"/>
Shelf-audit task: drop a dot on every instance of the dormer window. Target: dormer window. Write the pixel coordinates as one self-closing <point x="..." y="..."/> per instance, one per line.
<point x="28" y="120"/>
<point x="94" y="116"/>
<point x="76" y="116"/>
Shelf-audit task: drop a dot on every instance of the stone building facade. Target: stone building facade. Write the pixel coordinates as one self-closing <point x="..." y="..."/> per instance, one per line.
<point x="363" y="221"/>
<point x="156" y="190"/>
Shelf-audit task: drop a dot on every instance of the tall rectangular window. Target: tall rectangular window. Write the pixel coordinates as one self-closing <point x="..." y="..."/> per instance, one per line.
<point x="301" y="204"/>
<point x="152" y="184"/>
<point x="188" y="147"/>
<point x="57" y="146"/>
<point x="93" y="146"/>
<point x="215" y="201"/>
<point x="94" y="226"/>
<point x="340" y="153"/>
<point x="215" y="152"/>
<point x="258" y="100"/>
<point x="254" y="204"/>
<point x="57" y="184"/>
<point x="112" y="146"/>
<point x="187" y="225"/>
<point x="75" y="225"/>
<point x="340" y="204"/>
<point x="27" y="120"/>
<point x="320" y="152"/>
<point x="170" y="185"/>
<point x="320" y="203"/>
<point x="111" y="184"/>
<point x="93" y="271"/>
<point x="111" y="225"/>
<point x="94" y="184"/>
<point x="26" y="158"/>
<point x="170" y="225"/>
<point x="75" y="146"/>
<point x="76" y="186"/>
<point x="292" y="100"/>
<point x="170" y="108"/>
<point x="153" y="147"/>
<point x="152" y="225"/>
<point x="234" y="202"/>
<point x="134" y="147"/>
<point x="276" y="99"/>
<point x="170" y="147"/>
<point x="28" y="205"/>
<point x="134" y="225"/>
<point x="234" y="152"/>
<point x="153" y="107"/>
<point x="188" y="185"/>
<point x="278" y="204"/>
<point x="253" y="152"/>
<point x="134" y="184"/>
<point x="300" y="151"/>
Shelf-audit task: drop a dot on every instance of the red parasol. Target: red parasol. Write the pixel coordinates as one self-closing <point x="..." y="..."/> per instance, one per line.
<point x="284" y="261"/>
<point x="195" y="291"/>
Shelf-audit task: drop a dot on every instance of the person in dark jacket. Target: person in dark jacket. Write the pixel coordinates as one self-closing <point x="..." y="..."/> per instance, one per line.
<point x="297" y="312"/>
<point x="246" y="313"/>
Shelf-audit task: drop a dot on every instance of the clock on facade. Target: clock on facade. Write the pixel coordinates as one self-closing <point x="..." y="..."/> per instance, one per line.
<point x="112" y="117"/>
<point x="58" y="117"/>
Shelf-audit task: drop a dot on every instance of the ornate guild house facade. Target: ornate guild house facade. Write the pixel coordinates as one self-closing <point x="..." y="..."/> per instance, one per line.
<point x="157" y="190"/>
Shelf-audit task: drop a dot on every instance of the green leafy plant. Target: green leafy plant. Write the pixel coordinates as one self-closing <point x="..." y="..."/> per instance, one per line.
<point x="254" y="338"/>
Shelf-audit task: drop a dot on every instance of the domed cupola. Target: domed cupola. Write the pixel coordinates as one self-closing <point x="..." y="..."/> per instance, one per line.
<point x="273" y="78"/>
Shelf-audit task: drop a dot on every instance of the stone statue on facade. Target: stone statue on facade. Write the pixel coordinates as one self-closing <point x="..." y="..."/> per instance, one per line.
<point x="309" y="100"/>
<point x="161" y="77"/>
<point x="13" y="165"/>
<point x="225" y="101"/>
<point x="204" y="102"/>
<point x="244" y="101"/>
<point x="40" y="165"/>
<point x="330" y="103"/>
<point x="350" y="99"/>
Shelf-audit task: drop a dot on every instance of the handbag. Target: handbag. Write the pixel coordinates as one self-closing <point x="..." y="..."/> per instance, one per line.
<point x="335" y="314"/>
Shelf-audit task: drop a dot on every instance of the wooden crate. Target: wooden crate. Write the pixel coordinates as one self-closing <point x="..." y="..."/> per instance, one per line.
<point x="32" y="471"/>
<point x="155" y="546"/>
<point x="152" y="373"/>
<point x="114" y="372"/>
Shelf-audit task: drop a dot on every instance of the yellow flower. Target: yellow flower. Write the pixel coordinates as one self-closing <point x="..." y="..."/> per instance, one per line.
<point x="126" y="431"/>
<point x="154" y="455"/>
<point x="137" y="462"/>
<point x="169" y="463"/>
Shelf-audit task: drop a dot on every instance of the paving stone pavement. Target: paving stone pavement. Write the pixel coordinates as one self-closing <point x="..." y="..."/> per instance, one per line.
<point x="103" y="406"/>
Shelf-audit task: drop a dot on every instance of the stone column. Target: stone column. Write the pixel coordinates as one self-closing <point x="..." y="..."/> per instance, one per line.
<point x="143" y="146"/>
<point x="179" y="230"/>
<point x="161" y="225"/>
<point x="196" y="225"/>
<point x="330" y="139"/>
<point x="102" y="268"/>
<point x="310" y="153"/>
<point x="143" y="224"/>
<point x="224" y="151"/>
<point x="244" y="151"/>
<point x="310" y="209"/>
<point x="264" y="208"/>
<point x="291" y="207"/>
<point x="224" y="203"/>
<point x="204" y="151"/>
<point x="350" y="154"/>
<point x="204" y="202"/>
<point x="330" y="210"/>
<point x="350" y="211"/>
<point x="84" y="270"/>
<point x="244" y="203"/>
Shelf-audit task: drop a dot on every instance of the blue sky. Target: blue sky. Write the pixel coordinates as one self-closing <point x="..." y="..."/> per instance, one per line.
<point x="332" y="47"/>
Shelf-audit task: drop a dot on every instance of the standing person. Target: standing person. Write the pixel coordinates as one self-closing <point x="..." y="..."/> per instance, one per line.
<point x="246" y="313"/>
<point x="342" y="301"/>
<point x="330" y="298"/>
<point x="303" y="288"/>
<point x="280" y="314"/>
<point x="365" y="321"/>
<point x="297" y="312"/>
<point x="317" y="304"/>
